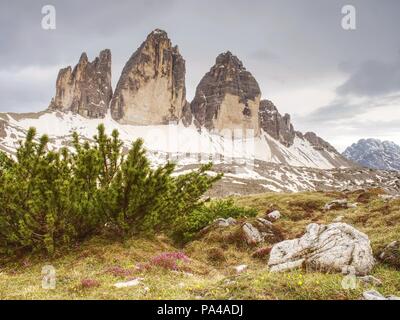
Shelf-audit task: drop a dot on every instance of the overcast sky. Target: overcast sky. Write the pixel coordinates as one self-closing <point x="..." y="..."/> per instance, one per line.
<point x="342" y="84"/>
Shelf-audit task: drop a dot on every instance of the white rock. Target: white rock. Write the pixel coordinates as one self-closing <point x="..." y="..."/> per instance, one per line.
<point x="240" y="268"/>
<point x="130" y="283"/>
<point x="388" y="197"/>
<point x="221" y="222"/>
<point x="338" y="219"/>
<point x="275" y="215"/>
<point x="371" y="280"/>
<point x="339" y="204"/>
<point x="251" y="234"/>
<point x="264" y="222"/>
<point x="330" y="248"/>
<point x="373" y="295"/>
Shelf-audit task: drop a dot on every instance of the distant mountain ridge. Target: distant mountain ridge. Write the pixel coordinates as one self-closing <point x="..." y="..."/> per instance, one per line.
<point x="375" y="154"/>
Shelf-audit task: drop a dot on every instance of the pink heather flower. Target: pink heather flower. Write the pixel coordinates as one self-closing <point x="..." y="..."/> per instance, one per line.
<point x="89" y="283"/>
<point x="169" y="260"/>
<point x="118" y="271"/>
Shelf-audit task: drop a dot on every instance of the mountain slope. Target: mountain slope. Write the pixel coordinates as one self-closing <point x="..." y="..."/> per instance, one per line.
<point x="375" y="154"/>
<point x="174" y="138"/>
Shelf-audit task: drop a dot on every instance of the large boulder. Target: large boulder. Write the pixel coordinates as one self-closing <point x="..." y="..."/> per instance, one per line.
<point x="327" y="248"/>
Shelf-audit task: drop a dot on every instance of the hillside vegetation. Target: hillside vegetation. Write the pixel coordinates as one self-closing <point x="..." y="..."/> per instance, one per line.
<point x="204" y="267"/>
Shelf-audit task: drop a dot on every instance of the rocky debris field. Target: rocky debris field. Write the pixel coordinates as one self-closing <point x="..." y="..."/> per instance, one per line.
<point x="261" y="177"/>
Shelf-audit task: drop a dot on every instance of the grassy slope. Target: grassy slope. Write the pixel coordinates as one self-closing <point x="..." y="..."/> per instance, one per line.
<point x="210" y="273"/>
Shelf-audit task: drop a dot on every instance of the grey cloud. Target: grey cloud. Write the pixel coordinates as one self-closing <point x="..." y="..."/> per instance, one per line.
<point x="342" y="108"/>
<point x="373" y="78"/>
<point x="376" y="82"/>
<point x="286" y="44"/>
<point x="24" y="95"/>
<point x="264" y="55"/>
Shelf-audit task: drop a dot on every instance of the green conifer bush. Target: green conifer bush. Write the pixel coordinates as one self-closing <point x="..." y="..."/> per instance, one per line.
<point x="55" y="199"/>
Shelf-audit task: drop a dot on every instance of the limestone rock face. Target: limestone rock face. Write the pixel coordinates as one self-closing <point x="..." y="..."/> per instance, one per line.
<point x="336" y="247"/>
<point x="86" y="89"/>
<point x="151" y="89"/>
<point x="277" y="126"/>
<point x="227" y="97"/>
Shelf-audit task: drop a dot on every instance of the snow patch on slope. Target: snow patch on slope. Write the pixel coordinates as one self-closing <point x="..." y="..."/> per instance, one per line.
<point x="170" y="139"/>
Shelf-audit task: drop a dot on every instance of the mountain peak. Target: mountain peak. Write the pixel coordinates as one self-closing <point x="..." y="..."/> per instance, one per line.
<point x="228" y="59"/>
<point x="159" y="33"/>
<point x="227" y="97"/>
<point x="375" y="153"/>
<point x="84" y="58"/>
<point x="151" y="89"/>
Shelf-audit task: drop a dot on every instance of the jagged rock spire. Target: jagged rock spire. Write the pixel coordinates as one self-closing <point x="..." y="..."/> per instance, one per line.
<point x="86" y="89"/>
<point x="151" y="89"/>
<point x="227" y="97"/>
<point x="277" y="126"/>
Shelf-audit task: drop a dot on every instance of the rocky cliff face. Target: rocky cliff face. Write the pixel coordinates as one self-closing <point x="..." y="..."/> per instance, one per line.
<point x="277" y="126"/>
<point x="151" y="89"/>
<point x="86" y="89"/>
<point x="317" y="142"/>
<point x="227" y="97"/>
<point x="375" y="154"/>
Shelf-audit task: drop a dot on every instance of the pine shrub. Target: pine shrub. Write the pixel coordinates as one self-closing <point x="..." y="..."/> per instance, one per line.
<point x="202" y="216"/>
<point x="55" y="199"/>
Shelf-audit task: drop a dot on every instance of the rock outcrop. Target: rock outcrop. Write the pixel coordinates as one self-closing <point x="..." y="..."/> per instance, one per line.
<point x="391" y="254"/>
<point x="228" y="97"/>
<point x="282" y="130"/>
<point x="261" y="230"/>
<point x="277" y="126"/>
<point x="333" y="248"/>
<point x="86" y="89"/>
<point x="339" y="204"/>
<point x="151" y="89"/>
<point x="318" y="143"/>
